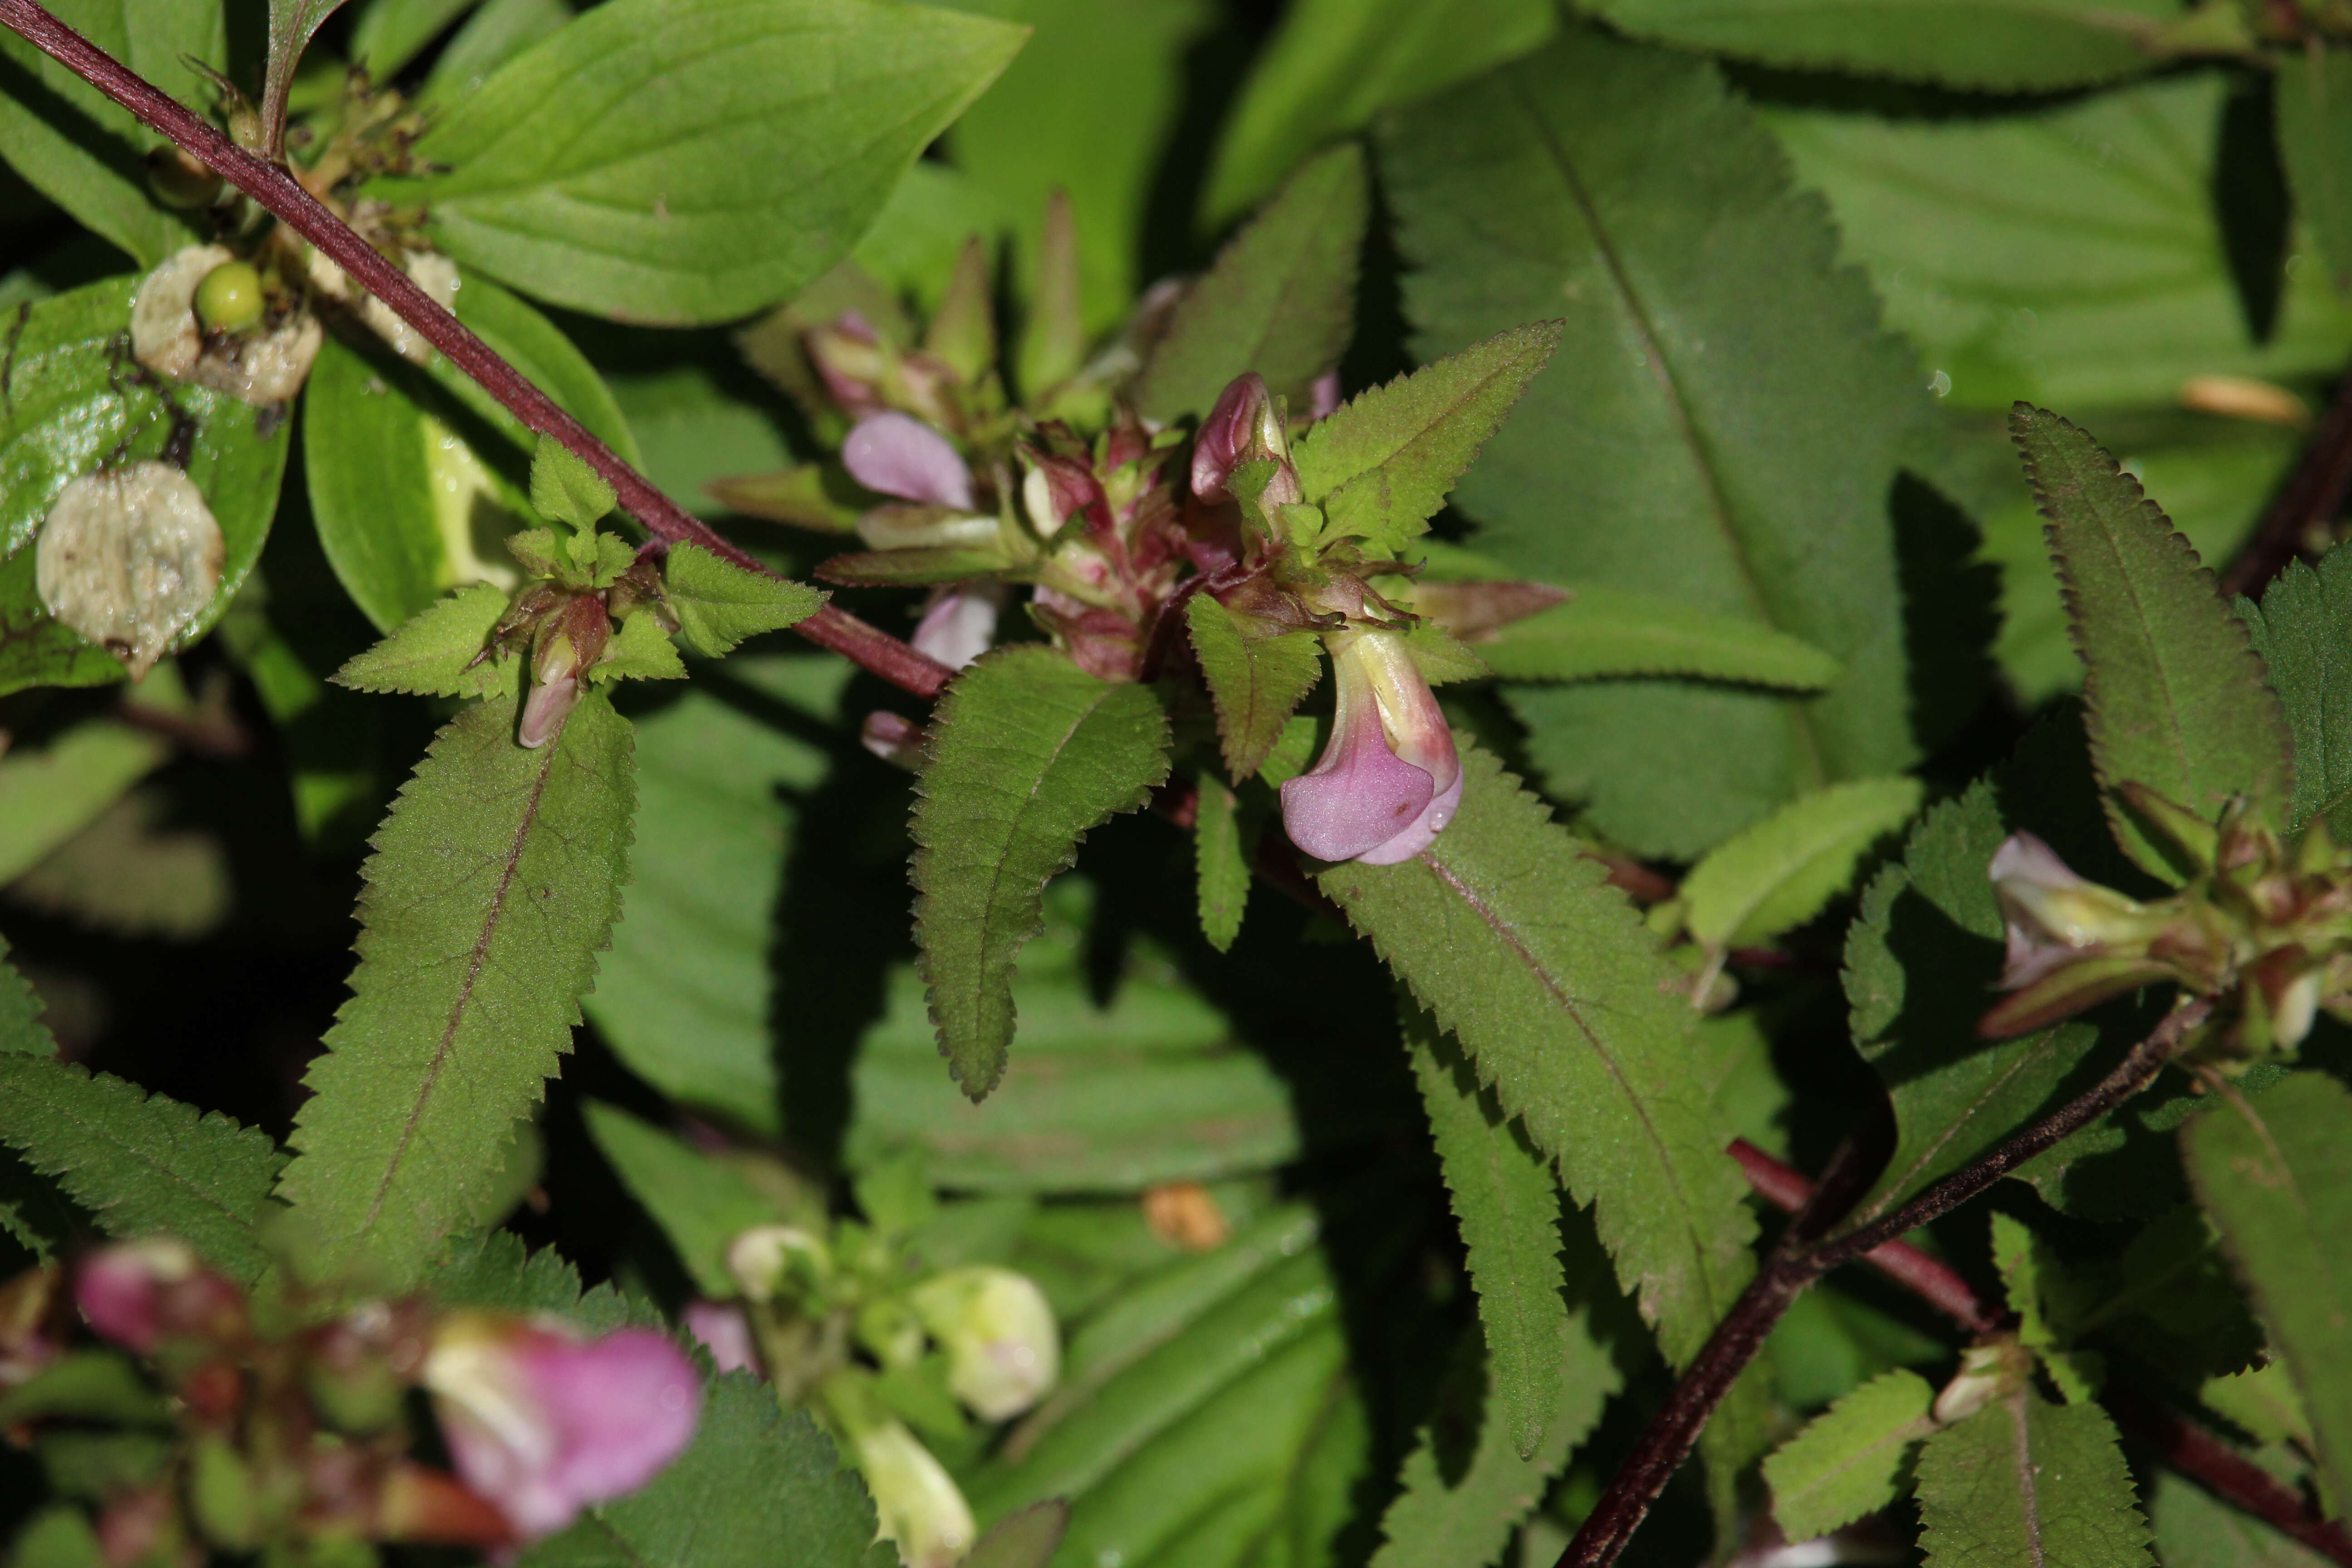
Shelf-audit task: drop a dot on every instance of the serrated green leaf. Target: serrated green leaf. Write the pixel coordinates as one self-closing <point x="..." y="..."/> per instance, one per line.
<point x="1778" y="873"/>
<point x="1459" y="1509"/>
<point x="2313" y="99"/>
<point x="2035" y="46"/>
<point x="1026" y="752"/>
<point x="758" y="1487"/>
<point x="1221" y="843"/>
<point x="640" y="650"/>
<point x="437" y="652"/>
<point x="702" y="1205"/>
<point x="496" y="1271"/>
<point x="141" y="1164"/>
<point x="49" y="795"/>
<point x="494" y="883"/>
<point x="2073" y="255"/>
<point x="718" y="603"/>
<point x="1508" y="1204"/>
<point x="1256" y="679"/>
<point x="1506" y="933"/>
<point x="564" y="489"/>
<point x="1331" y="64"/>
<point x="2041" y="1294"/>
<point x="1108" y="1094"/>
<point x="22" y="1033"/>
<point x="2177" y="699"/>
<point x="1609" y="631"/>
<point x="77" y="147"/>
<point x="2275" y="1175"/>
<point x="1280" y="299"/>
<point x="1650" y="457"/>
<point x="678" y="162"/>
<point x="2298" y="635"/>
<point x="69" y="411"/>
<point x="2024" y="1480"/>
<point x="416" y="477"/>
<point x="1849" y="1460"/>
<point x="1382" y="465"/>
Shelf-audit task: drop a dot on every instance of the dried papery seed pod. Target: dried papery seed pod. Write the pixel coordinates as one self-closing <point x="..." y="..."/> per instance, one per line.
<point x="260" y="368"/>
<point x="435" y="274"/>
<point x="128" y="558"/>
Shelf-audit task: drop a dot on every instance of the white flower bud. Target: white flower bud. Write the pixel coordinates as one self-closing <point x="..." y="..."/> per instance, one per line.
<point x="770" y="1260"/>
<point x="1003" y="1349"/>
<point x="128" y="557"/>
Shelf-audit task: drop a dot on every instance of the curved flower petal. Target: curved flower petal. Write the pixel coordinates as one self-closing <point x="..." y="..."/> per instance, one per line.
<point x="1359" y="795"/>
<point x="901" y="455"/>
<point x="960" y="624"/>
<point x="1003" y="1349"/>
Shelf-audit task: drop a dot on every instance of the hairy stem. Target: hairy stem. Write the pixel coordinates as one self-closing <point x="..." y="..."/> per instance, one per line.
<point x="1801" y="1258"/>
<point x="283" y="196"/>
<point x="2311" y="497"/>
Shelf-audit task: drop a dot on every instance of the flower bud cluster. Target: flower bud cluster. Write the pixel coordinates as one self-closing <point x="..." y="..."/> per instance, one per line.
<point x="2262" y="918"/>
<point x="843" y="1316"/>
<point x="285" y="1421"/>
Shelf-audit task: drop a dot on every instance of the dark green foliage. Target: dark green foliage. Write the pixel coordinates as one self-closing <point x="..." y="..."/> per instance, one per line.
<point x="2025" y="1481"/>
<point x="2298" y="634"/>
<point x="1257" y="676"/>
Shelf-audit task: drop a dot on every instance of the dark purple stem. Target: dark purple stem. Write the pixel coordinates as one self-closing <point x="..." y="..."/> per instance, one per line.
<point x="279" y="192"/>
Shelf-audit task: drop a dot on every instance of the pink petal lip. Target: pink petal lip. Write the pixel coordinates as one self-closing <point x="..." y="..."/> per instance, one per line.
<point x="1424" y="829"/>
<point x="898" y="454"/>
<point x="1360" y="795"/>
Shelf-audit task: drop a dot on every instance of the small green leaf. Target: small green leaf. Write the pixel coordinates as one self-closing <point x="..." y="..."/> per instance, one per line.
<point x="808" y="495"/>
<point x="2025" y="1481"/>
<point x="69" y="411"/>
<point x="1222" y="842"/>
<point x="2276" y="1174"/>
<point x="1850" y="1461"/>
<point x="22" y="1033"/>
<point x="1609" y="631"/>
<point x="564" y="489"/>
<point x="49" y="795"/>
<point x="677" y="162"/>
<point x="1382" y="465"/>
<point x="1026" y="752"/>
<point x="2314" y="140"/>
<point x="141" y="1164"/>
<point x="640" y="650"/>
<point x="2039" y="1293"/>
<point x="59" y="1536"/>
<point x="2035" y="46"/>
<point x="1774" y="875"/>
<point x="718" y="603"/>
<point x="2177" y="699"/>
<point x="2298" y="634"/>
<point x="1256" y="678"/>
<point x="1505" y="930"/>
<point x="701" y="1204"/>
<point x="292" y="25"/>
<point x="494" y="883"/>
<point x="758" y="1487"/>
<point x="1508" y="1202"/>
<point x="91" y="1385"/>
<point x="1280" y="299"/>
<point x="918" y="567"/>
<point x="437" y="652"/>
<point x="1022" y="1540"/>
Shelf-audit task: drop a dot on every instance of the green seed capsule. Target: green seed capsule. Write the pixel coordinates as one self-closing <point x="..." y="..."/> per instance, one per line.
<point x="229" y="300"/>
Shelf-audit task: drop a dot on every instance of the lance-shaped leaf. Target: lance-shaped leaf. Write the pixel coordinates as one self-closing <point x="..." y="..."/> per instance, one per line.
<point x="1257" y="676"/>
<point x="494" y="883"/>
<point x="69" y="411"/>
<point x="1280" y="301"/>
<point x="2298" y="634"/>
<point x="292" y="25"/>
<point x="2276" y="1174"/>
<point x="1507" y="934"/>
<point x="701" y="1204"/>
<point x="1609" y="631"/>
<point x="2314" y="140"/>
<point x="1222" y="836"/>
<point x="718" y="603"/>
<point x="691" y="161"/>
<point x="2041" y="43"/>
<point x="1453" y="1509"/>
<point x="917" y="567"/>
<point x="1026" y="752"/>
<point x="1778" y="873"/>
<point x="1652" y="456"/>
<point x="141" y="1164"/>
<point x="21" y="1029"/>
<point x="1508" y="1204"/>
<point x="437" y="652"/>
<point x="1850" y="1461"/>
<point x="2177" y="699"/>
<point x="78" y="147"/>
<point x="1382" y="465"/>
<point x="2025" y="1481"/>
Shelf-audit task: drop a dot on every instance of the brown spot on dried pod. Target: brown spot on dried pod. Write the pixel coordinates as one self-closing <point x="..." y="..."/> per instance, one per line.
<point x="129" y="557"/>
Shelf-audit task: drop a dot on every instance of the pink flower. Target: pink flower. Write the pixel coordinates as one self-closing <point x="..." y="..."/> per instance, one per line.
<point x="959" y="623"/>
<point x="1388" y="781"/>
<point x="2052" y="916"/>
<point x="720" y="1328"/>
<point x="1243" y="429"/>
<point x="140" y="1293"/>
<point x="543" y="1424"/>
<point x="898" y="454"/>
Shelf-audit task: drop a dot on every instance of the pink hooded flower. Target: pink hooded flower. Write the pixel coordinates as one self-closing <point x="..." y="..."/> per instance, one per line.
<point x="140" y="1293"/>
<point x="2054" y="916"/>
<point x="897" y="455"/>
<point x="1243" y="429"/>
<point x="1388" y="781"/>
<point x="543" y="1423"/>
